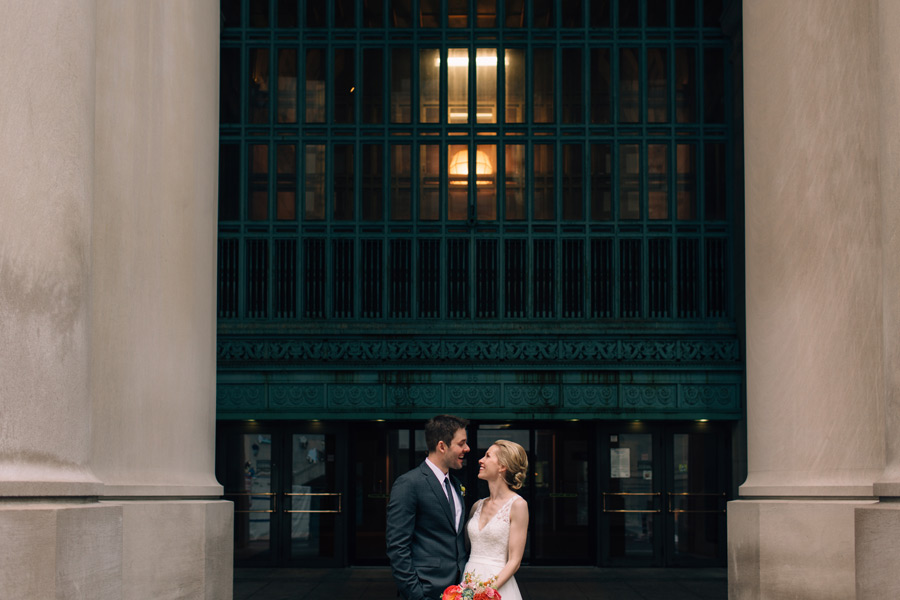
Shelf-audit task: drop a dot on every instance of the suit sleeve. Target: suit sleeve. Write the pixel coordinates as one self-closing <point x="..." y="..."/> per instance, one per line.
<point x="401" y="525"/>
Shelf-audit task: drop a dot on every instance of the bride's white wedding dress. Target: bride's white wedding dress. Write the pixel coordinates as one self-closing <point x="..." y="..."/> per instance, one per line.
<point x="490" y="548"/>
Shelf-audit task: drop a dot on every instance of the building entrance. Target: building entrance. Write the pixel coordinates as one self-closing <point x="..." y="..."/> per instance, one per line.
<point x="287" y="485"/>
<point x="608" y="493"/>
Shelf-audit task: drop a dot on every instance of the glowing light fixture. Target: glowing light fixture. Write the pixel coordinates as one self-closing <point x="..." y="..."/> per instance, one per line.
<point x="459" y="167"/>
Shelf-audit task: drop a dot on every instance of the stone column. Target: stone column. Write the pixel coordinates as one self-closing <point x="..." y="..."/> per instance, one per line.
<point x="878" y="526"/>
<point x="47" y="489"/>
<point x="815" y="367"/>
<point x="153" y="311"/>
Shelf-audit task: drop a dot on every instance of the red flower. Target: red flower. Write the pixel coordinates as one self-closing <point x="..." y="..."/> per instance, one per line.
<point x="488" y="594"/>
<point x="454" y="592"/>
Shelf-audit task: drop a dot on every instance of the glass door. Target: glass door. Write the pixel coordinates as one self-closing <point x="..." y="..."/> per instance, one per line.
<point x="696" y="497"/>
<point x="381" y="453"/>
<point x="631" y="502"/>
<point x="286" y="481"/>
<point x="663" y="494"/>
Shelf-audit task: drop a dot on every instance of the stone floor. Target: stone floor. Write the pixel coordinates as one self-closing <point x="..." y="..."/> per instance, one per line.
<point x="537" y="583"/>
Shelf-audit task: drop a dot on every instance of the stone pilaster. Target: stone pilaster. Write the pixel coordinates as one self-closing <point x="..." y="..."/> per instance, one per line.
<point x="814" y="298"/>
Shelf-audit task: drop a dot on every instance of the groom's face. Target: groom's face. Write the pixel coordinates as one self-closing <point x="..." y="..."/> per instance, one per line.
<point x="456" y="451"/>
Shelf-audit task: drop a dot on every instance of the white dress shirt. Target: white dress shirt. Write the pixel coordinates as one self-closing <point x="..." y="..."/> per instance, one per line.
<point x="457" y="505"/>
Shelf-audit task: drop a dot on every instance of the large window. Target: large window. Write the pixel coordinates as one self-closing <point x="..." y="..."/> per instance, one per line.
<point x="489" y="159"/>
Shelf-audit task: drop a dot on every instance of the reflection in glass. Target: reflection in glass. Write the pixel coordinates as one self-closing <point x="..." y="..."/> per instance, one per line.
<point x="685" y="86"/>
<point x="600" y="13"/>
<point x="229" y="182"/>
<point x="249" y="486"/>
<point x="230" y="86"/>
<point x="713" y="85"/>
<point x="543" y="13"/>
<point x="458" y="85"/>
<point x="629" y="181"/>
<point x="561" y="496"/>
<point x="258" y="197"/>
<point x="572" y="91"/>
<point x="657" y="87"/>
<point x="259" y="13"/>
<point x="287" y="85"/>
<point x="485" y="13"/>
<point x="631" y="489"/>
<point x="315" y="85"/>
<point x="372" y="199"/>
<point x="429" y="13"/>
<point x="684" y="12"/>
<point x="515" y="181"/>
<point x="628" y="13"/>
<point x="658" y="181"/>
<point x="344" y="85"/>
<point x="258" y="94"/>
<point x="601" y="182"/>
<point x="515" y="13"/>
<point x="600" y="85"/>
<point x="458" y="183"/>
<point x="373" y="13"/>
<point x="287" y="14"/>
<point x="486" y="85"/>
<point x="543" y="85"/>
<point x="344" y="189"/>
<point x="373" y="86"/>
<point x="699" y="506"/>
<point x="429" y="182"/>
<point x="314" y="165"/>
<point x="312" y="498"/>
<point x="543" y="181"/>
<point x="572" y="182"/>
<point x="344" y="13"/>
<point x="629" y="85"/>
<point x="572" y="15"/>
<point x="315" y="13"/>
<point x="401" y="182"/>
<point x="714" y="181"/>
<point x="515" y="85"/>
<point x="486" y="182"/>
<point x="457" y="13"/>
<point x="401" y="13"/>
<point x="286" y="199"/>
<point x="657" y="13"/>
<point x="401" y="85"/>
<point x="686" y="182"/>
<point x="429" y="85"/>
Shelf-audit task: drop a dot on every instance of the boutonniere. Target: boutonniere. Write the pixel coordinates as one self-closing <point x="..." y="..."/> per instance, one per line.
<point x="462" y="491"/>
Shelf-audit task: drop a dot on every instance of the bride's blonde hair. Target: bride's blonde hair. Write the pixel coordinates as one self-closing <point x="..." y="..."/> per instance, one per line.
<point x="512" y="456"/>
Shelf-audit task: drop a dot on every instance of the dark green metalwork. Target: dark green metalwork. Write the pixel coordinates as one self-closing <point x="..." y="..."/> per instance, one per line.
<point x="604" y="219"/>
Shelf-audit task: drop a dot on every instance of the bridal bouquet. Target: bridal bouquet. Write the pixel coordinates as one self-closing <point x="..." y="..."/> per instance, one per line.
<point x="471" y="588"/>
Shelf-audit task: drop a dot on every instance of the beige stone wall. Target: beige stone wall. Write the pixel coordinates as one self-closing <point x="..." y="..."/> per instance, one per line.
<point x="108" y="175"/>
<point x="821" y="144"/>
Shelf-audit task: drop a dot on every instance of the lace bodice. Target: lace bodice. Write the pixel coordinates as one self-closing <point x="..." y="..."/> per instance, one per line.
<point x="493" y="541"/>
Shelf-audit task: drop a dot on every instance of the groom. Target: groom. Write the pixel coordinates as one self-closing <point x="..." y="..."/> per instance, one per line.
<point x="426" y="513"/>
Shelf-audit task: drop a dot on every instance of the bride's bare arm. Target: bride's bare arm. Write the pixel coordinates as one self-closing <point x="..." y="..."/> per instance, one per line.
<point x="518" y="530"/>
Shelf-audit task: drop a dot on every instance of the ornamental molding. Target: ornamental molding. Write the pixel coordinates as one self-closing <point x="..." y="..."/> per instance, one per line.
<point x="375" y="353"/>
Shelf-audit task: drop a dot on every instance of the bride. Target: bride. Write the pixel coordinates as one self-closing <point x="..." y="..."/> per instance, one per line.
<point x="498" y="524"/>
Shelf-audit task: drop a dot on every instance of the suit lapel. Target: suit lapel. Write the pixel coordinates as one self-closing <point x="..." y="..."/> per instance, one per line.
<point x="439" y="495"/>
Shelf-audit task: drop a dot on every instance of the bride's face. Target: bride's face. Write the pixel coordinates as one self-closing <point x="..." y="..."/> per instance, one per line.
<point x="489" y="467"/>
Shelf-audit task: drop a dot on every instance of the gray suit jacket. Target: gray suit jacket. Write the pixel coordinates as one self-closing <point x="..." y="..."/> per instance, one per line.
<point x="427" y="551"/>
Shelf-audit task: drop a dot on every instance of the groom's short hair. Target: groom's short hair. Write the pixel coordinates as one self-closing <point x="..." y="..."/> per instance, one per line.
<point x="442" y="428"/>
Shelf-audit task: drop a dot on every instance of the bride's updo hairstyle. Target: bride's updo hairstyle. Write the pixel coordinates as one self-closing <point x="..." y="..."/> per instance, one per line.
<point x="512" y="456"/>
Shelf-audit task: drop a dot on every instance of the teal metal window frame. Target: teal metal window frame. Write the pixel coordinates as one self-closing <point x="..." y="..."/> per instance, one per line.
<point x="257" y="281"/>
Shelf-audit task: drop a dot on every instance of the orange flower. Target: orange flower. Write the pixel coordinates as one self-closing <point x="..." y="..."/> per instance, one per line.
<point x="488" y="594"/>
<point x="454" y="592"/>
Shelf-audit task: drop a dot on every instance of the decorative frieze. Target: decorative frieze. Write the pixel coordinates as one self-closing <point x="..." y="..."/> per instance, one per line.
<point x="531" y="396"/>
<point x="374" y="353"/>
<point x="591" y="397"/>
<point x="478" y="395"/>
